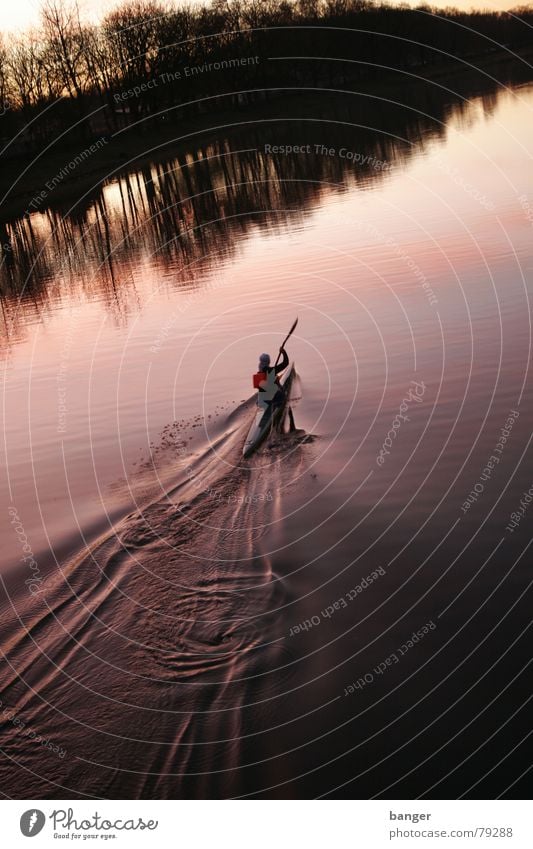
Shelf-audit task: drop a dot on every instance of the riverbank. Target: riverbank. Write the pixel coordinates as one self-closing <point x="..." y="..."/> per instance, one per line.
<point x="68" y="179"/>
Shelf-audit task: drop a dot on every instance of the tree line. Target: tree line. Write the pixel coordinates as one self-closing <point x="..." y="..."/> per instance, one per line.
<point x="148" y="62"/>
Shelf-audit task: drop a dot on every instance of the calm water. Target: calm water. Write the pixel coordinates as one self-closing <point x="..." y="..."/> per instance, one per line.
<point x="153" y="634"/>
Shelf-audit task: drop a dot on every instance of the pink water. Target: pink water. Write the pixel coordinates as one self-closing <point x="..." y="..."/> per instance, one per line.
<point x="155" y="644"/>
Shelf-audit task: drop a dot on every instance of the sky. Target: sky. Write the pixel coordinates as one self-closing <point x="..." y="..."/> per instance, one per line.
<point x="22" y="14"/>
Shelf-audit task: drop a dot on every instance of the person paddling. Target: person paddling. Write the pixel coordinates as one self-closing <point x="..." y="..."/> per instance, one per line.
<point x="266" y="381"/>
<point x="269" y="392"/>
<point x="273" y="396"/>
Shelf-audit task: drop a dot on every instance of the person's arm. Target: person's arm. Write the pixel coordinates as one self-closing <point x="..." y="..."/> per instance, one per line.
<point x="284" y="363"/>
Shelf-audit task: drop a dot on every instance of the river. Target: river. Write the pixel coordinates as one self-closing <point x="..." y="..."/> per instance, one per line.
<point x="346" y="613"/>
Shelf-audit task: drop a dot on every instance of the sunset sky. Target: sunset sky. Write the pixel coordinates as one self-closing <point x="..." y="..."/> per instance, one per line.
<point x="25" y="13"/>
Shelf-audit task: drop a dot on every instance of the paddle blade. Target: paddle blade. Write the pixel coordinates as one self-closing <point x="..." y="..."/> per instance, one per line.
<point x="286" y="339"/>
<point x="293" y="328"/>
<point x="291" y="331"/>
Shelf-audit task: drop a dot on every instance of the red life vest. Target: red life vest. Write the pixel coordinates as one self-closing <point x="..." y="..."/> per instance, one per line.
<point x="258" y="378"/>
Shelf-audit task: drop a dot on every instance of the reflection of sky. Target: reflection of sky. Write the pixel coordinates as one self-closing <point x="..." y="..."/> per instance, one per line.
<point x="25" y="13"/>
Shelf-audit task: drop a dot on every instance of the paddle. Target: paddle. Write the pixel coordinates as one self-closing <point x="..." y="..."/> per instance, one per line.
<point x="289" y="334"/>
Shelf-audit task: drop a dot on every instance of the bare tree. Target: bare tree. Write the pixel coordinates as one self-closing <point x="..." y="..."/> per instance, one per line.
<point x="133" y="32"/>
<point x="29" y="83"/>
<point x="66" y="41"/>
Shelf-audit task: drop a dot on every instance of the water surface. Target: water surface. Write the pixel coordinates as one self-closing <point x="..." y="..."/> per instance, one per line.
<point x="187" y="623"/>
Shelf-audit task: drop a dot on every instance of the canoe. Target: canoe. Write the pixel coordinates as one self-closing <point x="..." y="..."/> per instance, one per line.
<point x="265" y="420"/>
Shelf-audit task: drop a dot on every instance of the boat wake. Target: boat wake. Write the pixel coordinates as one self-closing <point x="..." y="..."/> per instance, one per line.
<point x="158" y="638"/>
